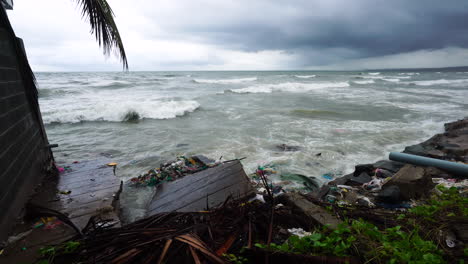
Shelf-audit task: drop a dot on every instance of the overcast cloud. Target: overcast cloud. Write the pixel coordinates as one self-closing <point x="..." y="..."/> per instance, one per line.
<point x="250" y="35"/>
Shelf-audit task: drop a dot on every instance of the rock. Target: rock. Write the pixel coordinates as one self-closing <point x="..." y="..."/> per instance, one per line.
<point x="383" y="173"/>
<point x="284" y="147"/>
<point x="451" y="145"/>
<point x="312" y="210"/>
<point x="367" y="168"/>
<point x="413" y="182"/>
<point x="390" y="194"/>
<point x="352" y="180"/>
<point x="388" y="165"/>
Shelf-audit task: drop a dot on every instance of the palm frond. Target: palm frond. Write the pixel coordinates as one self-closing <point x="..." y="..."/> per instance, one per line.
<point x="101" y="19"/>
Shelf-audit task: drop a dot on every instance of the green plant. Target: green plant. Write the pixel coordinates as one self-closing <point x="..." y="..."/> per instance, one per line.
<point x="48" y="253"/>
<point x="448" y="204"/>
<point x="364" y="239"/>
<point x="235" y="259"/>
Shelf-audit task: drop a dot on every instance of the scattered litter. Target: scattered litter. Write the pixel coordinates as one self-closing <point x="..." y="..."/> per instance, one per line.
<point x="329" y="176"/>
<point x="299" y="232"/>
<point x="374" y="185"/>
<point x="362" y="200"/>
<point x="450" y="240"/>
<point x="18" y="237"/>
<point x="170" y="171"/>
<point x="347" y="187"/>
<point x="65" y="192"/>
<point x="459" y="184"/>
<point x="75" y="162"/>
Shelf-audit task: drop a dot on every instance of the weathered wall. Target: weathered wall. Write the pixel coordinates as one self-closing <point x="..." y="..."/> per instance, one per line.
<point x="24" y="154"/>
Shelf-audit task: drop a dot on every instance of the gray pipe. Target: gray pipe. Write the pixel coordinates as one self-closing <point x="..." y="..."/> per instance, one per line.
<point x="451" y="167"/>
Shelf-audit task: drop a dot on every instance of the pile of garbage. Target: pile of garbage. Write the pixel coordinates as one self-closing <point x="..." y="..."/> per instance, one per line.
<point x="170" y="171"/>
<point x="280" y="181"/>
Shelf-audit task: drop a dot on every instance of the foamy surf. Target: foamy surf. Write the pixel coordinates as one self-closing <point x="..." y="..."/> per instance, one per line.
<point x="364" y="82"/>
<point x="305" y="76"/>
<point x="441" y="81"/>
<point x="225" y="81"/>
<point x="118" y="112"/>
<point x="289" y="87"/>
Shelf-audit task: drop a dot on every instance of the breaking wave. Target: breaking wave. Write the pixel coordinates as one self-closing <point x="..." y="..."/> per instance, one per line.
<point x="391" y="79"/>
<point x="364" y="82"/>
<point x="125" y="111"/>
<point x="225" y="81"/>
<point x="441" y="81"/>
<point x="374" y="73"/>
<point x="305" y="76"/>
<point x="289" y="87"/>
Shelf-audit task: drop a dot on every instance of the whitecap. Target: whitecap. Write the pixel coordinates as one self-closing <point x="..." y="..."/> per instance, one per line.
<point x="118" y="111"/>
<point x="305" y="76"/>
<point x="290" y="87"/>
<point x="225" y="81"/>
<point x="364" y="82"/>
<point x="374" y="73"/>
<point x="441" y="81"/>
<point x="391" y="80"/>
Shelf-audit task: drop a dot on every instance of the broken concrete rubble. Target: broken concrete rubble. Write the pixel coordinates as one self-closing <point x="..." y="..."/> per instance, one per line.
<point x="412" y="181"/>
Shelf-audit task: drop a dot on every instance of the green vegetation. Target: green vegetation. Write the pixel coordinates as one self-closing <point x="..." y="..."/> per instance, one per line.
<point x="391" y="245"/>
<point x="50" y="252"/>
<point x="448" y="204"/>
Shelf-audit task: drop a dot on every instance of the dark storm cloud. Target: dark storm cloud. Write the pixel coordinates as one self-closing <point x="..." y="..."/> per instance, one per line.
<point x="251" y="34"/>
<point x="369" y="28"/>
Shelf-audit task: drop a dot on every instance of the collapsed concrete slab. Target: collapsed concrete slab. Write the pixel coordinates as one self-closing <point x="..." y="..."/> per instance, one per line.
<point x="207" y="188"/>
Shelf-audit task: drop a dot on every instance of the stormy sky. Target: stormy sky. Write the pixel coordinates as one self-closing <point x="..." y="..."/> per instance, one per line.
<point x="250" y="34"/>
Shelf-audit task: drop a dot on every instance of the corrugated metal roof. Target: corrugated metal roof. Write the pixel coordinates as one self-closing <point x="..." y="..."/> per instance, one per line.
<point x="7" y="4"/>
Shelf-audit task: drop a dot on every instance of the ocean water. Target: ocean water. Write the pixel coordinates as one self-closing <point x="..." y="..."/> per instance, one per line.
<point x="348" y="117"/>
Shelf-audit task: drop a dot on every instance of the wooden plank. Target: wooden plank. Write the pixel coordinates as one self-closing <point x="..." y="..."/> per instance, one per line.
<point x="87" y="198"/>
<point x="192" y="192"/>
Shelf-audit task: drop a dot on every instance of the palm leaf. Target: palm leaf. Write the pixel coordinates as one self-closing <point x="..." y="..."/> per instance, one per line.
<point x="101" y="19"/>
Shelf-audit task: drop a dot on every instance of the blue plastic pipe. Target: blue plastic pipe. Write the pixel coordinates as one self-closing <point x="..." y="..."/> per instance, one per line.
<point x="448" y="166"/>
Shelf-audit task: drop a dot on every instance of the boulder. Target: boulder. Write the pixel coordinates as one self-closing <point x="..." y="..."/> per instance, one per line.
<point x="413" y="182"/>
<point x="315" y="212"/>
<point x="352" y="180"/>
<point x="388" y="165"/>
<point x="390" y="194"/>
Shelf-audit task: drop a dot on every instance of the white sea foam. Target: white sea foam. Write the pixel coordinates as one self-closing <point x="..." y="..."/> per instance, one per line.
<point x="305" y="76"/>
<point x="290" y="87"/>
<point x="373" y="77"/>
<point x="108" y="110"/>
<point x="441" y="81"/>
<point x="364" y="82"/>
<point x="225" y="81"/>
<point x="374" y="73"/>
<point x="391" y="79"/>
<point x="409" y="73"/>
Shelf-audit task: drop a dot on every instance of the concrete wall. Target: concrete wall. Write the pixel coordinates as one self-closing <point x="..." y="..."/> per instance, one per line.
<point x="24" y="154"/>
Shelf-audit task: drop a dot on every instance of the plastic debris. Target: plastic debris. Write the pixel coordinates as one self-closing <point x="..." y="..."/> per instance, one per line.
<point x="374" y="185"/>
<point x="299" y="232"/>
<point x="112" y="164"/>
<point x="65" y="192"/>
<point x="170" y="171"/>
<point x="362" y="200"/>
<point x="450" y="240"/>
<point x="328" y="176"/>
<point x="459" y="184"/>
<point x="13" y="239"/>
